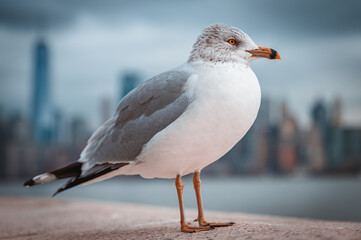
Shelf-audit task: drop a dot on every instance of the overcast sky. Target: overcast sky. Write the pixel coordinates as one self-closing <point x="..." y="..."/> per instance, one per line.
<point x="93" y="42"/>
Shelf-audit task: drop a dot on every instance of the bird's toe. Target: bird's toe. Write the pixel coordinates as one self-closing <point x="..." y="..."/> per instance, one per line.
<point x="190" y="229"/>
<point x="215" y="224"/>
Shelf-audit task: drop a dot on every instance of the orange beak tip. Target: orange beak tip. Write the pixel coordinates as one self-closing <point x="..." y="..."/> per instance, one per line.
<point x="274" y="54"/>
<point x="264" y="52"/>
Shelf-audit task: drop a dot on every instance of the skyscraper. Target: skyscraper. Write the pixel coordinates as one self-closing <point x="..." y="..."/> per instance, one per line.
<point x="128" y="82"/>
<point x="335" y="137"/>
<point x="336" y="113"/>
<point x="319" y="117"/>
<point x="315" y="140"/>
<point x="288" y="142"/>
<point x="41" y="101"/>
<point x="261" y="137"/>
<point x="79" y="131"/>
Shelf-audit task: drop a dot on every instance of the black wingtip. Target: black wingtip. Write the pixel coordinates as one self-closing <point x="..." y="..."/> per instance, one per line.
<point x="29" y="183"/>
<point x="59" y="191"/>
<point x="79" y="179"/>
<point x="56" y="193"/>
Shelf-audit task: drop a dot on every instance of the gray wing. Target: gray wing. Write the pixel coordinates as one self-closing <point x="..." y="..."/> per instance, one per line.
<point x="140" y="115"/>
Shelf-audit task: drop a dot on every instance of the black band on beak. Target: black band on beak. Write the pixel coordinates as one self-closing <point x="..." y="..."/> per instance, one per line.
<point x="274" y="54"/>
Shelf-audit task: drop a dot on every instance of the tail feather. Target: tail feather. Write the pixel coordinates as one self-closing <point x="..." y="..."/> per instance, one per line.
<point x="74" y="172"/>
<point x="70" y="170"/>
<point x="93" y="173"/>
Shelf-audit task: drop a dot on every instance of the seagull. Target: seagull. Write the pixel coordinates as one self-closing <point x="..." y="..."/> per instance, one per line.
<point x="177" y="122"/>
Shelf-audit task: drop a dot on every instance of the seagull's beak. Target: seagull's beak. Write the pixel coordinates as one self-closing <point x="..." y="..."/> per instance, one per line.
<point x="263" y="52"/>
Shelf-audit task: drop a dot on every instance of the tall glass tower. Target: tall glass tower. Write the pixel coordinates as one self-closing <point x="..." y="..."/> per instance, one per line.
<point x="128" y="82"/>
<point x="40" y="105"/>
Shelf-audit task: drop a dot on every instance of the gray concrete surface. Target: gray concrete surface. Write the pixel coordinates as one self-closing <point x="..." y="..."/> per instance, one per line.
<point x="46" y="218"/>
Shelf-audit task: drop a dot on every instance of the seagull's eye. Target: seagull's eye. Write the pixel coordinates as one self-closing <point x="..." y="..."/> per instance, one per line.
<point x="231" y="41"/>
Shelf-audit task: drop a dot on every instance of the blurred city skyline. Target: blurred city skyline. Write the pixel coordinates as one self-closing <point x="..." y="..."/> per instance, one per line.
<point x="92" y="43"/>
<point x="46" y="139"/>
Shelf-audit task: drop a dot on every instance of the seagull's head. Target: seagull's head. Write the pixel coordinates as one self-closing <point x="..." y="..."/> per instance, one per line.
<point x="220" y="43"/>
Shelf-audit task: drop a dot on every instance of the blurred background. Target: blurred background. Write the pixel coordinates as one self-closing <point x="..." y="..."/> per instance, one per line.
<point x="65" y="65"/>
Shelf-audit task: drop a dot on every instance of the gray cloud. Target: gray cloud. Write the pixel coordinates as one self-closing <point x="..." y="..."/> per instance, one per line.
<point x="35" y="14"/>
<point x="308" y="16"/>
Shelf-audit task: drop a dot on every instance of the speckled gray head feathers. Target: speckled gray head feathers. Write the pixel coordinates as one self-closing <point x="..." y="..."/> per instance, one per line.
<point x="213" y="46"/>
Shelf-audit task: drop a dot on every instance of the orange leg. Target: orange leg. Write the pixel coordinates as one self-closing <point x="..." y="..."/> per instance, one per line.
<point x="202" y="222"/>
<point x="184" y="225"/>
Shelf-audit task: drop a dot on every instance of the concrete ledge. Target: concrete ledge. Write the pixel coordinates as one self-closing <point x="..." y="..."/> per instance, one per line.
<point x="39" y="218"/>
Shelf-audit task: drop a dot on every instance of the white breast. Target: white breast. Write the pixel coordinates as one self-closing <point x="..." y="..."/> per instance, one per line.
<point x="226" y="103"/>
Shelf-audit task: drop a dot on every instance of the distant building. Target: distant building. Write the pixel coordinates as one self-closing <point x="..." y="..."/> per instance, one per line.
<point x="79" y="132"/>
<point x="260" y="141"/>
<point x="336" y="113"/>
<point x="319" y="120"/>
<point x="315" y="139"/>
<point x="3" y="142"/>
<point x="273" y="137"/>
<point x="105" y="110"/>
<point x="351" y="151"/>
<point x="288" y="142"/>
<point x="335" y="139"/>
<point x="128" y="82"/>
<point x="41" y="115"/>
<point x="19" y="153"/>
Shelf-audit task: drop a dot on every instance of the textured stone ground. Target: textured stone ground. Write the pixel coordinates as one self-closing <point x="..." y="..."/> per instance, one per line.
<point x="40" y="218"/>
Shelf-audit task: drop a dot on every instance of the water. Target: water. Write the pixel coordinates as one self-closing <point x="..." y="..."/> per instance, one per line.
<point x="319" y="198"/>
